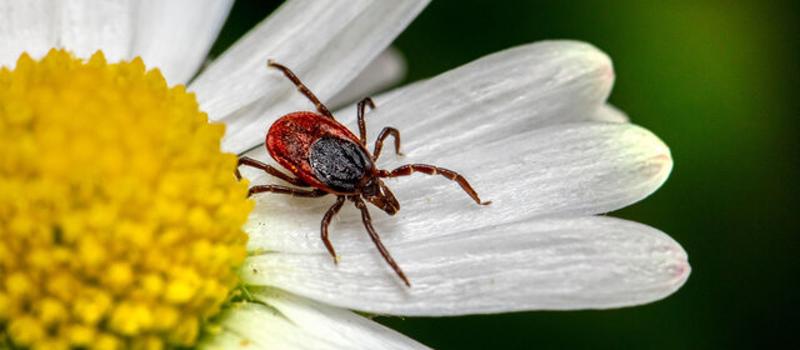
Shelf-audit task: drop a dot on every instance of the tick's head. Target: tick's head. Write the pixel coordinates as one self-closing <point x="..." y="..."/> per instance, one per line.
<point x="379" y="195"/>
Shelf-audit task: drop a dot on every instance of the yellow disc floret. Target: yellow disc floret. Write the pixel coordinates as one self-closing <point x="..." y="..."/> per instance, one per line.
<point x="120" y="218"/>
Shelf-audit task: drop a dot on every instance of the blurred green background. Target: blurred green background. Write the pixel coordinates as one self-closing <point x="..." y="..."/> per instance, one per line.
<point x="718" y="81"/>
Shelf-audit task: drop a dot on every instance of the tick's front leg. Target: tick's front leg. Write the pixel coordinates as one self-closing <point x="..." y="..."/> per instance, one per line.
<point x="434" y="170"/>
<point x="367" y="220"/>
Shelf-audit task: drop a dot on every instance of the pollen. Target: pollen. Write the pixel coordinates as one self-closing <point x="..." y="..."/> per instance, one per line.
<point x="120" y="218"/>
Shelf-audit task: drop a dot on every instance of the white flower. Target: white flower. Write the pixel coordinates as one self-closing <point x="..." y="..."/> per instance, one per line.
<point x="528" y="126"/>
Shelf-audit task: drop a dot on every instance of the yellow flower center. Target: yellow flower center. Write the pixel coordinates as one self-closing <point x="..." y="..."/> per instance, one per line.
<point x="120" y="218"/>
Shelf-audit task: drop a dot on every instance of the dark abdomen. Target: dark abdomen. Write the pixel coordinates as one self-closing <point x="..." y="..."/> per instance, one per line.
<point x="338" y="163"/>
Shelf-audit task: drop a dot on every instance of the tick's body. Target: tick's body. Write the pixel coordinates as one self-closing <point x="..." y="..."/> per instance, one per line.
<point x="306" y="144"/>
<point x="326" y="156"/>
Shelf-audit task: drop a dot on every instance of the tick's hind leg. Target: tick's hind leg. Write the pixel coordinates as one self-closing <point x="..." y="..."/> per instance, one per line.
<point x="268" y="169"/>
<point x="362" y="125"/>
<point x="386" y="132"/>
<point x="326" y="220"/>
<point x="302" y="88"/>
<point x="434" y="170"/>
<point x="285" y="190"/>
<point x="377" y="239"/>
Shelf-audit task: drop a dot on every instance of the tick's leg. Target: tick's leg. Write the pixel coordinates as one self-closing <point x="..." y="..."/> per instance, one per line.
<point x="386" y="132"/>
<point x="362" y="126"/>
<point x="326" y="220"/>
<point x="302" y="88"/>
<point x="377" y="239"/>
<point x="285" y="190"/>
<point x="268" y="169"/>
<point x="433" y="170"/>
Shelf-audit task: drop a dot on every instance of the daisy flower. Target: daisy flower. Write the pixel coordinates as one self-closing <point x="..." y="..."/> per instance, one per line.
<point x="123" y="226"/>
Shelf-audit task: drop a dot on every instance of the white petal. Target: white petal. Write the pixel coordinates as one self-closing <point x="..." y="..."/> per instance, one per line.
<point x="81" y="26"/>
<point x="326" y="43"/>
<point x="176" y="35"/>
<point x="290" y="322"/>
<point x="86" y="26"/>
<point x="26" y="26"/>
<point x="173" y="36"/>
<point x="553" y="264"/>
<point x="563" y="170"/>
<point x="500" y="95"/>
<point x="610" y="114"/>
<point x="386" y="70"/>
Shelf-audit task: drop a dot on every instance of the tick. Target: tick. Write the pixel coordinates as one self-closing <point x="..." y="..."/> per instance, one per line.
<point x="326" y="158"/>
